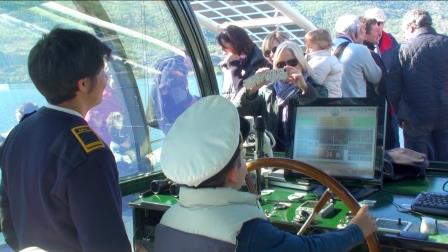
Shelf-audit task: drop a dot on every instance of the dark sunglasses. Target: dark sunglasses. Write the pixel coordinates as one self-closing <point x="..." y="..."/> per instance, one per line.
<point x="291" y="62"/>
<point x="267" y="53"/>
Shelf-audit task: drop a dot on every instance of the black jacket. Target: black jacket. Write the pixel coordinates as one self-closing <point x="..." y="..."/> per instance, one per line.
<point x="419" y="86"/>
<point x="252" y="105"/>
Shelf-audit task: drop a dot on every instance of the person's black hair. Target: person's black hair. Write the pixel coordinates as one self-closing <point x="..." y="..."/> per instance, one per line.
<point x="236" y="36"/>
<point x="219" y="179"/>
<point x="63" y="57"/>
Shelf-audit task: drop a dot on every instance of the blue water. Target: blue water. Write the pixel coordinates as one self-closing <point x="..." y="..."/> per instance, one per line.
<point x="13" y="95"/>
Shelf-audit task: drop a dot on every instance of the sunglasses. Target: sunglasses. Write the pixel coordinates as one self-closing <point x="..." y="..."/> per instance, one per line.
<point x="291" y="62"/>
<point x="267" y="53"/>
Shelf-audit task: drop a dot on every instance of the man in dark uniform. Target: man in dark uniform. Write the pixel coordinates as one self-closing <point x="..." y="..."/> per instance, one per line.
<point x="59" y="187"/>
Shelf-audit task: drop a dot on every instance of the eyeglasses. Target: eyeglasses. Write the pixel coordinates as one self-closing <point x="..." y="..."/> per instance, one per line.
<point x="379" y="23"/>
<point x="267" y="53"/>
<point x="291" y="62"/>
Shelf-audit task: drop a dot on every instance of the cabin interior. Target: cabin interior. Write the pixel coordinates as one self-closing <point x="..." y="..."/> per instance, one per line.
<point x="142" y="33"/>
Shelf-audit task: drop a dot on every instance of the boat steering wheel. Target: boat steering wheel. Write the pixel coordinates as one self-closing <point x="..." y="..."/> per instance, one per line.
<point x="332" y="184"/>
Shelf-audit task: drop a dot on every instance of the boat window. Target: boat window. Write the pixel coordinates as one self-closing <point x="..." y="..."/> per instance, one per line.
<point x="152" y="79"/>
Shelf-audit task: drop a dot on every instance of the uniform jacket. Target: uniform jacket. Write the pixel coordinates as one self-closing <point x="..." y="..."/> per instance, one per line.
<point x="60" y="187"/>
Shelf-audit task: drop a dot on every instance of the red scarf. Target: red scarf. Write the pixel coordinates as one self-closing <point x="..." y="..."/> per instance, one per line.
<point x="386" y="42"/>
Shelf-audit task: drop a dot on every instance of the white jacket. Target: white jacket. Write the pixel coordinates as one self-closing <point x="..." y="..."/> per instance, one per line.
<point x="327" y="71"/>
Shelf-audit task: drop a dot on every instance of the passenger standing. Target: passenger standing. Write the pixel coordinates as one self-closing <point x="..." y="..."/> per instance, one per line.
<point x="243" y="59"/>
<point x="387" y="42"/>
<point x="358" y="65"/>
<point x="372" y="40"/>
<point x="269" y="47"/>
<point x="326" y="67"/>
<point x="387" y="49"/>
<point x="419" y="91"/>
<point x="59" y="187"/>
<point x="299" y="86"/>
<point x="270" y="44"/>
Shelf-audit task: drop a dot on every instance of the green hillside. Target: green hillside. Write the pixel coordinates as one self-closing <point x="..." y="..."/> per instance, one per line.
<point x="324" y="13"/>
<point x="22" y="24"/>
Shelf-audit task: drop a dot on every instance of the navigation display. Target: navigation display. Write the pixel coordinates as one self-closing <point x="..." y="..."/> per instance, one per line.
<point x="340" y="141"/>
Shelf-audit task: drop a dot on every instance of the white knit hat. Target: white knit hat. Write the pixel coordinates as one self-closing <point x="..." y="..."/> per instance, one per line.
<point x="201" y="142"/>
<point x="376" y="13"/>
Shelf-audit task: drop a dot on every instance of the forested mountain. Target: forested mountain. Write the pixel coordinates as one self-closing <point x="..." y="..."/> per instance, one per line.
<point x="23" y="22"/>
<point x="325" y="13"/>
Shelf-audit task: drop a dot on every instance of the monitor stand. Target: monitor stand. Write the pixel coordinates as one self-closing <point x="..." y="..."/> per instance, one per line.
<point x="358" y="193"/>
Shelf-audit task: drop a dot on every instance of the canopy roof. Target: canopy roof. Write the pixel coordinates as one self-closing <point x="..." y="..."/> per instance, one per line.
<point x="258" y="17"/>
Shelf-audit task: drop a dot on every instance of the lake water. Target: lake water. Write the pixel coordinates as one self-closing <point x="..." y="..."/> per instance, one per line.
<point x="12" y="96"/>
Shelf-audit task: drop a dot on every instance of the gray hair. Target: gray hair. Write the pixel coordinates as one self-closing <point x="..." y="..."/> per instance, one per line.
<point x="348" y="25"/>
<point x="417" y="18"/>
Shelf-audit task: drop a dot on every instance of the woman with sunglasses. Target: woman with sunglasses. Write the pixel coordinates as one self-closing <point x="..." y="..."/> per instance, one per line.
<point x="243" y="59"/>
<point x="299" y="85"/>
<point x="270" y="44"/>
<point x="269" y="47"/>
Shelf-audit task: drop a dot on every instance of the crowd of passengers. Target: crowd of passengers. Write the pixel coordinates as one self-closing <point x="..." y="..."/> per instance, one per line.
<point x="68" y="178"/>
<point x="363" y="61"/>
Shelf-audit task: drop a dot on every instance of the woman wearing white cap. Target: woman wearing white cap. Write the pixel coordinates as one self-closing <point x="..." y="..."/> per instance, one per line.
<point x="203" y="154"/>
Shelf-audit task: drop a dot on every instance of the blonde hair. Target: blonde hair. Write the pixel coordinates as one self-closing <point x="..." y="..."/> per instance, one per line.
<point x="297" y="51"/>
<point x="271" y="37"/>
<point x="319" y="37"/>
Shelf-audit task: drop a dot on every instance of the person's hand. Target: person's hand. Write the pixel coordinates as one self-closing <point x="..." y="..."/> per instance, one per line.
<point x="231" y="57"/>
<point x="296" y="77"/>
<point x="364" y="221"/>
<point x="261" y="84"/>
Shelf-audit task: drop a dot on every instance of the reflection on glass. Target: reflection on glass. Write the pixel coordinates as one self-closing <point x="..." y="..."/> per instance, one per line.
<point x="150" y="72"/>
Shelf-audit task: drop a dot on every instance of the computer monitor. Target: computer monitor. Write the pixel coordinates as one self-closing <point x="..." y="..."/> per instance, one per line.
<point x="345" y="141"/>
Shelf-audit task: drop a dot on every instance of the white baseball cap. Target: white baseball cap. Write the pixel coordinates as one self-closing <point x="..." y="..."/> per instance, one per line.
<point x="376" y="13"/>
<point x="202" y="141"/>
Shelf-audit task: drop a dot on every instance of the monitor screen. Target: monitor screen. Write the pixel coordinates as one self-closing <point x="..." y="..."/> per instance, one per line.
<point x="339" y="140"/>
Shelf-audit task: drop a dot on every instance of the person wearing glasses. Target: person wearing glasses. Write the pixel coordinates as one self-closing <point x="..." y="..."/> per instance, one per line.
<point x="270" y="44"/>
<point x="242" y="59"/>
<point x="300" y="85"/>
<point x="387" y="48"/>
<point x="386" y="40"/>
<point x="269" y="47"/>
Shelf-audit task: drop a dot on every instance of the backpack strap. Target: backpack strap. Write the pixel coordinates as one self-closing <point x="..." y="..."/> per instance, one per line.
<point x="340" y="49"/>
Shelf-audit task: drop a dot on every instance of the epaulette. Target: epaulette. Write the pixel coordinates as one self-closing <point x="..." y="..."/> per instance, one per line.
<point x="87" y="138"/>
<point x="27" y="115"/>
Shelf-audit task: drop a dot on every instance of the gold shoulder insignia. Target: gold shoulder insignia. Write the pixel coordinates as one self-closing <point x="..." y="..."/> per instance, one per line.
<point x="87" y="138"/>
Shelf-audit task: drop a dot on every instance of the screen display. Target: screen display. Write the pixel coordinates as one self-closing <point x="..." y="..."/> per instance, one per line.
<point x="340" y="141"/>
